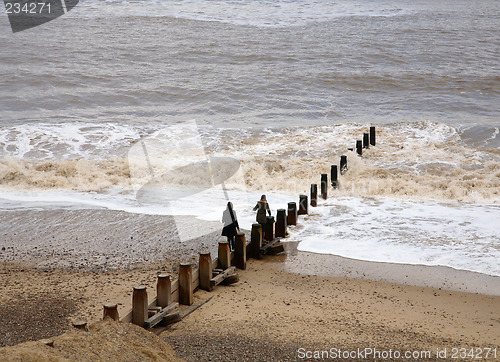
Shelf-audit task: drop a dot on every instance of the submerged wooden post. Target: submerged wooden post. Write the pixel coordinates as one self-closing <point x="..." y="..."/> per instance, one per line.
<point x="359" y="147"/>
<point x="366" y="140"/>
<point x="324" y="186"/>
<point x="240" y="251"/>
<point x="139" y="305"/>
<point x="186" y="284"/>
<point x="292" y="214"/>
<point x="256" y="240"/>
<point x="269" y="229"/>
<point x="372" y="136"/>
<point x="205" y="269"/>
<point x="314" y="195"/>
<point x="224" y="255"/>
<point x="163" y="290"/>
<point x="343" y="164"/>
<point x="281" y="223"/>
<point x="334" y="176"/>
<point x="303" y="205"/>
<point x="110" y="310"/>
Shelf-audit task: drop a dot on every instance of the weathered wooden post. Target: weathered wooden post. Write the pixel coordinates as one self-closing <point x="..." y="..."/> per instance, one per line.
<point x="163" y="290"/>
<point x="269" y="229"/>
<point x="366" y="140"/>
<point x="281" y="223"/>
<point x="256" y="240"/>
<point x="80" y="324"/>
<point x="186" y="284"/>
<point x="240" y="251"/>
<point x="224" y="255"/>
<point x="110" y="310"/>
<point x="334" y="176"/>
<point x="314" y="195"/>
<point x="139" y="305"/>
<point x="205" y="269"/>
<point x="343" y="164"/>
<point x="372" y="136"/>
<point x="292" y="214"/>
<point x="303" y="205"/>
<point x="324" y="186"/>
<point x="359" y="147"/>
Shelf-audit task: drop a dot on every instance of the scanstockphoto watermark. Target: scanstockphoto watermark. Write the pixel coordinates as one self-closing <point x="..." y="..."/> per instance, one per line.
<point x="26" y="14"/>
<point x="369" y="353"/>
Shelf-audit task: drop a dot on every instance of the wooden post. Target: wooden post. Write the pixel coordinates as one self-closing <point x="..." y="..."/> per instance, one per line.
<point x="372" y="136"/>
<point x="240" y="251"/>
<point x="324" y="186"/>
<point x="281" y="223"/>
<point x="186" y="284"/>
<point x="269" y="229"/>
<point x="205" y="270"/>
<point x="359" y="147"/>
<point x="343" y="164"/>
<point x="224" y="255"/>
<point x="366" y="140"/>
<point x="292" y="214"/>
<point x="139" y="305"/>
<point x="110" y="310"/>
<point x="334" y="176"/>
<point x="303" y="205"/>
<point x="256" y="240"/>
<point x="314" y="195"/>
<point x="163" y="290"/>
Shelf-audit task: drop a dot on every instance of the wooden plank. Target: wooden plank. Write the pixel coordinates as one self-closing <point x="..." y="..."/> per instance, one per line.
<point x="158" y="317"/>
<point x="270" y="245"/>
<point x="219" y="278"/>
<point x="196" y="279"/>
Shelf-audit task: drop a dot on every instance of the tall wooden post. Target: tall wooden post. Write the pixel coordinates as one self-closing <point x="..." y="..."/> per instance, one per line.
<point x="334" y="176"/>
<point x="303" y="205"/>
<point x="314" y="195"/>
<point x="205" y="269"/>
<point x="163" y="290"/>
<point x="224" y="255"/>
<point x="366" y="140"/>
<point x="359" y="147"/>
<point x="186" y="284"/>
<point x="324" y="186"/>
<point x="240" y="251"/>
<point x="256" y="240"/>
<point x="110" y="311"/>
<point x="139" y="305"/>
<point x="269" y="229"/>
<point x="292" y="214"/>
<point x="343" y="164"/>
<point x="372" y="136"/>
<point x="281" y="223"/>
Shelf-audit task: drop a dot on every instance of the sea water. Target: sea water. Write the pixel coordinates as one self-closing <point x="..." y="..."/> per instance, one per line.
<point x="90" y="103"/>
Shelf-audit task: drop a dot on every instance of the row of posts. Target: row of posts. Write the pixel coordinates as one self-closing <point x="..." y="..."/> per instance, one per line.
<point x="258" y="234"/>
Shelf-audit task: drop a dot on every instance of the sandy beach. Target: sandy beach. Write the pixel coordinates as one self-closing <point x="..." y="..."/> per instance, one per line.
<point x="282" y="307"/>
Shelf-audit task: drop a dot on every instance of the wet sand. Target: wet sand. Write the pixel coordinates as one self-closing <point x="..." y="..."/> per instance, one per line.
<point x="280" y="304"/>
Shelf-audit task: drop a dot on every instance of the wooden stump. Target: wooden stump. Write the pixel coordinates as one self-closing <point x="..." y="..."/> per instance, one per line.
<point x="256" y="240"/>
<point x="110" y="310"/>
<point x="303" y="205"/>
<point x="292" y="214"/>
<point x="366" y="140"/>
<point x="240" y="251"/>
<point x="164" y="290"/>
<point x="334" y="176"/>
<point x="314" y="195"/>
<point x="343" y="164"/>
<point x="186" y="284"/>
<point x="224" y="255"/>
<point x="205" y="270"/>
<point x="280" y="223"/>
<point x="269" y="229"/>
<point x="359" y="147"/>
<point x="139" y="305"/>
<point x="372" y="136"/>
<point x="324" y="186"/>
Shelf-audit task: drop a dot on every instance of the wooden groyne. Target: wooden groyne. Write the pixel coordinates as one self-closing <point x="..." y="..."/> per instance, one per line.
<point x="222" y="270"/>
